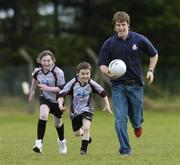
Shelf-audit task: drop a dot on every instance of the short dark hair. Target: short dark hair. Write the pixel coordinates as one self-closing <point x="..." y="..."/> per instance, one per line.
<point x="121" y="16"/>
<point x="83" y="65"/>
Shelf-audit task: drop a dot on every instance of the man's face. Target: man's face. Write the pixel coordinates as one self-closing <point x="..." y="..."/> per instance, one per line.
<point x="122" y="29"/>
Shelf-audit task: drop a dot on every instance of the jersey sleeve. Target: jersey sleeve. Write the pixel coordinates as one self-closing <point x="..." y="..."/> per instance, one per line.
<point x="67" y="88"/>
<point x="35" y="73"/>
<point x="97" y="88"/>
<point x="60" y="78"/>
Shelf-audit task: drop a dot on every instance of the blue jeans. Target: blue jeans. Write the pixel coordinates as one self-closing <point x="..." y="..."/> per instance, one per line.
<point x="127" y="101"/>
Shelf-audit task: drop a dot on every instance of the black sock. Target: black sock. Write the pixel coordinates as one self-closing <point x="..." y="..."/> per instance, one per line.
<point x="84" y="145"/>
<point x="41" y="128"/>
<point x="60" y="132"/>
<point x="90" y="140"/>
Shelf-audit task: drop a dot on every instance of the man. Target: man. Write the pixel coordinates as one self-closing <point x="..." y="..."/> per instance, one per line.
<point x="127" y="91"/>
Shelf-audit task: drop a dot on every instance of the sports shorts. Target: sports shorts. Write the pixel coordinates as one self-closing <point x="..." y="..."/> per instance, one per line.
<point x="54" y="107"/>
<point x="77" y="122"/>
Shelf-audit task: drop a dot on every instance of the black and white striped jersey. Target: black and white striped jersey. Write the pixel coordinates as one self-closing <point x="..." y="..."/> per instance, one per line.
<point x="53" y="78"/>
<point x="81" y="95"/>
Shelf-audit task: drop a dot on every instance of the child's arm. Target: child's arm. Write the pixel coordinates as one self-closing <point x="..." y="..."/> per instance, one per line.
<point x="32" y="90"/>
<point x="61" y="103"/>
<point x="107" y="105"/>
<point x="100" y="90"/>
<point x="44" y="87"/>
<point x="65" y="91"/>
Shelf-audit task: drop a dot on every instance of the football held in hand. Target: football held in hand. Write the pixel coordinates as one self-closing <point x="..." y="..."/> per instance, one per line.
<point x="117" y="68"/>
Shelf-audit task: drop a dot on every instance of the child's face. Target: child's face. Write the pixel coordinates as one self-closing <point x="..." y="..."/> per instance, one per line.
<point x="84" y="75"/>
<point x="47" y="62"/>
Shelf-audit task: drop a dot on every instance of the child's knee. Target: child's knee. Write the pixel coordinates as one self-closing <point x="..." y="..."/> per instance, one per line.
<point x="77" y="133"/>
<point x="58" y="124"/>
<point x="86" y="129"/>
<point x="43" y="116"/>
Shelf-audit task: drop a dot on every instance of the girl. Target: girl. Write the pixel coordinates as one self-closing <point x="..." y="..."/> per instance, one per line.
<point x="50" y="80"/>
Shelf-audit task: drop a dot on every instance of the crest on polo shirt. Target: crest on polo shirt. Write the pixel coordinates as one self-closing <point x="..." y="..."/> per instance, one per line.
<point x="134" y="47"/>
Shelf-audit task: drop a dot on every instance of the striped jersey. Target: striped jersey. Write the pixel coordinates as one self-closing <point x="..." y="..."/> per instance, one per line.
<point x="53" y="78"/>
<point x="81" y="95"/>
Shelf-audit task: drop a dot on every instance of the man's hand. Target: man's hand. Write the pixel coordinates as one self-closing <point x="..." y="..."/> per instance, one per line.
<point x="150" y="77"/>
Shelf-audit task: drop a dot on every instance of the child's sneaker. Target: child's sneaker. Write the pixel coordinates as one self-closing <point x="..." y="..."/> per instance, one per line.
<point x="82" y="152"/>
<point x="62" y="146"/>
<point x="38" y="146"/>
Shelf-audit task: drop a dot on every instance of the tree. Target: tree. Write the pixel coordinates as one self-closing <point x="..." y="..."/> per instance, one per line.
<point x="68" y="27"/>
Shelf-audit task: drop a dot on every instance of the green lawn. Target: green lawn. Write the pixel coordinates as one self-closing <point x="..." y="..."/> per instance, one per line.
<point x="159" y="144"/>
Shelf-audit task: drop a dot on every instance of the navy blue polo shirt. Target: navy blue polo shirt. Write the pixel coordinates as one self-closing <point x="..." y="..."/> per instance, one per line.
<point x="130" y="51"/>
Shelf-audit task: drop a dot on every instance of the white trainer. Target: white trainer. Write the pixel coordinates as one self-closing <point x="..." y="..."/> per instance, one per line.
<point x="62" y="146"/>
<point x="38" y="146"/>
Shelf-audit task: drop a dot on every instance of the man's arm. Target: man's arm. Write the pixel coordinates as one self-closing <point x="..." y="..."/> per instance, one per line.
<point x="104" y="69"/>
<point x="152" y="65"/>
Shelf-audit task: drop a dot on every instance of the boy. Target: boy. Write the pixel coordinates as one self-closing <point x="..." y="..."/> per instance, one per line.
<point x="80" y="89"/>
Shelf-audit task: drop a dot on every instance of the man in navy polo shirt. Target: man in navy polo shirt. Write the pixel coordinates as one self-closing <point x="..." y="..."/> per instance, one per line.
<point x="127" y="91"/>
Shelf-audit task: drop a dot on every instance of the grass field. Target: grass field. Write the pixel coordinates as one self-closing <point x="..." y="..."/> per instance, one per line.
<point x="159" y="144"/>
